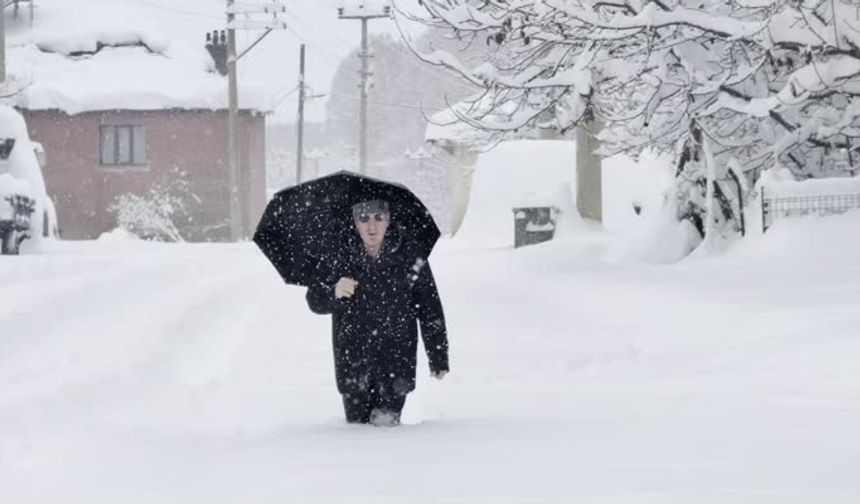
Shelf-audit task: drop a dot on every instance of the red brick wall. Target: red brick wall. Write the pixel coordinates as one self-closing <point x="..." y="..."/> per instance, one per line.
<point x="193" y="141"/>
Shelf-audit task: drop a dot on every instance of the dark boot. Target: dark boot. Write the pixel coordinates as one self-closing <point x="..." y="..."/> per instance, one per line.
<point x="386" y="407"/>
<point x="357" y="407"/>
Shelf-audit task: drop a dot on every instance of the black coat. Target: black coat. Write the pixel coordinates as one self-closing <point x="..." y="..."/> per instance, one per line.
<point x="374" y="333"/>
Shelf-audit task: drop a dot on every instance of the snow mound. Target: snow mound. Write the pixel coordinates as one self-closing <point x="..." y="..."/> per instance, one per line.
<point x="781" y="183"/>
<point x="520" y="173"/>
<point x="117" y="235"/>
<point x="19" y="172"/>
<point x="813" y="240"/>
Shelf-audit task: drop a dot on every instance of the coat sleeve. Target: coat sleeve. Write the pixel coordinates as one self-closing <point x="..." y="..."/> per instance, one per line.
<point x="432" y="319"/>
<point x="320" y="298"/>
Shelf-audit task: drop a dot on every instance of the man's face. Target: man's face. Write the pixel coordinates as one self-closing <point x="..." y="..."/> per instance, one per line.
<point x="372" y="227"/>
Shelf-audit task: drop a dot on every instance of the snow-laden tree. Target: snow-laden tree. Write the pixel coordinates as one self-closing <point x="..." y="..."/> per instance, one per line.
<point x="731" y="87"/>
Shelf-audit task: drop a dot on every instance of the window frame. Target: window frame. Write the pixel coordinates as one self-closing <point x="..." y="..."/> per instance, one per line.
<point x="115" y="148"/>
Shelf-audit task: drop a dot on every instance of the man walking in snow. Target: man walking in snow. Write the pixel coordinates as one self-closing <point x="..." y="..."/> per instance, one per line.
<point x="378" y="292"/>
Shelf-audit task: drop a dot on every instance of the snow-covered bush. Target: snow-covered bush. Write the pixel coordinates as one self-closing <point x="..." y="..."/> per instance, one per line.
<point x="155" y="215"/>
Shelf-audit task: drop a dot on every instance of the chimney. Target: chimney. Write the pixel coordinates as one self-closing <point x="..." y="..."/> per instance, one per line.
<point x="216" y="44"/>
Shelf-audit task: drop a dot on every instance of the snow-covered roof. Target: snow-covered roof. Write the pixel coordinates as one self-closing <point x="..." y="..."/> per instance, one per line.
<point x="114" y="54"/>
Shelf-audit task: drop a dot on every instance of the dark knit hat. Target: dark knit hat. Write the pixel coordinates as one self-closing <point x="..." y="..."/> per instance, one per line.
<point x="369" y="208"/>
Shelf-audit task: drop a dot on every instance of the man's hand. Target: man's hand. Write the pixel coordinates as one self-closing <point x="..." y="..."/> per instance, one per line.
<point x="345" y="287"/>
<point x="438" y="374"/>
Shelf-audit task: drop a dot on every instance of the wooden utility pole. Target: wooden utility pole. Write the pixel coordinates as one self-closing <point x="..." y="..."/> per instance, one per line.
<point x="232" y="140"/>
<point x="362" y="114"/>
<point x="300" y="153"/>
<point x="273" y="9"/>
<point x="364" y="15"/>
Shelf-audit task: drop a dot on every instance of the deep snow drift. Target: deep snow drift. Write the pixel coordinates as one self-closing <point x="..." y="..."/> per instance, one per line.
<point x="135" y="372"/>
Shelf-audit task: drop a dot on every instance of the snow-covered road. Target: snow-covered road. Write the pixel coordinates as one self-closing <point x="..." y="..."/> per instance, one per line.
<point x="142" y="373"/>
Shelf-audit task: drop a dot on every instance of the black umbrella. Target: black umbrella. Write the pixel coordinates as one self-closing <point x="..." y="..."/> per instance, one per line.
<point x="311" y="222"/>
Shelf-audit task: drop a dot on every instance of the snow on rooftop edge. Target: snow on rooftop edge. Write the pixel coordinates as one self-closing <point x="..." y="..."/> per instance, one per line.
<point x="124" y="78"/>
<point x="106" y="55"/>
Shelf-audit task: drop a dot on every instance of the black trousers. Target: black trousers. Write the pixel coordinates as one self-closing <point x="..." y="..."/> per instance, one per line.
<point x="359" y="407"/>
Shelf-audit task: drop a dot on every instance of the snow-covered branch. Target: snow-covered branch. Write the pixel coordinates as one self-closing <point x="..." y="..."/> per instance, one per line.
<point x="761" y="81"/>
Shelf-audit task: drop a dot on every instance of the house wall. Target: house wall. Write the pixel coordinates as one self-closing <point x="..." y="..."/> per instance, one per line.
<point x="189" y="141"/>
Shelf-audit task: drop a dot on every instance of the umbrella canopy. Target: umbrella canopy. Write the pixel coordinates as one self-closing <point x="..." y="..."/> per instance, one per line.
<point x="312" y="222"/>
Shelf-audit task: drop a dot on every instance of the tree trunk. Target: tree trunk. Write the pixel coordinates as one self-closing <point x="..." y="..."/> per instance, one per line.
<point x="589" y="186"/>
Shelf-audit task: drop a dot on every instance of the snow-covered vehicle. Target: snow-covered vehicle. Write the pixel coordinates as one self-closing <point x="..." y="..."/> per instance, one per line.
<point x="26" y="211"/>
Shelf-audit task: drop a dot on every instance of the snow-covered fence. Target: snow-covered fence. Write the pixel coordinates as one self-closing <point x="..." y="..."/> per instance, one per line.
<point x="775" y="207"/>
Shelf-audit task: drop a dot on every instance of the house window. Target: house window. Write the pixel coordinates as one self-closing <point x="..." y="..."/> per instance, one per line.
<point x="123" y="145"/>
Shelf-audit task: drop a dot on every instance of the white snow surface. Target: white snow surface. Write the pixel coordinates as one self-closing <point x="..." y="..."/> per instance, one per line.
<point x="137" y="372"/>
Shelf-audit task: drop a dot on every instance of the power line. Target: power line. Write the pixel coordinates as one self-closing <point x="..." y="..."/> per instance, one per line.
<point x="349" y="45"/>
<point x="402" y="53"/>
<point x="281" y="99"/>
<point x="406" y="55"/>
<point x="316" y="47"/>
<point x="181" y="11"/>
<point x="388" y="104"/>
<point x="314" y="20"/>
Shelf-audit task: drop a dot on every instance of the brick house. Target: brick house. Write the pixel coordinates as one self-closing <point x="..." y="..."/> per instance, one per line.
<point x="93" y="157"/>
<point x="126" y="113"/>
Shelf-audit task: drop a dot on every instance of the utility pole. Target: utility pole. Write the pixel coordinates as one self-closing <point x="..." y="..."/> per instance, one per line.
<point x="363" y="14"/>
<point x="2" y="41"/>
<point x="362" y="114"/>
<point x="269" y="7"/>
<point x="300" y="153"/>
<point x="236" y="226"/>
<point x="419" y="176"/>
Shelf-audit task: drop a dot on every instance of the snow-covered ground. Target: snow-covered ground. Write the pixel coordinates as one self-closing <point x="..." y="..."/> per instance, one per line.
<point x="139" y="373"/>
